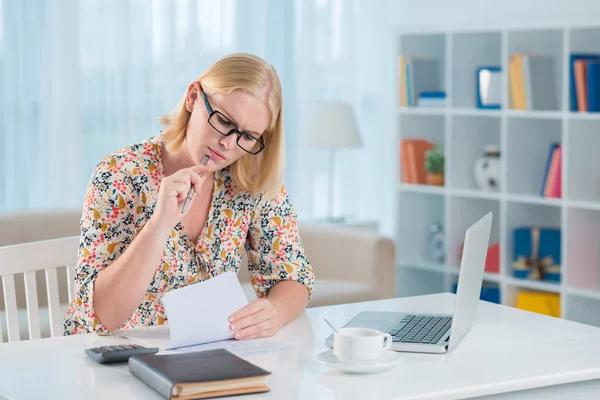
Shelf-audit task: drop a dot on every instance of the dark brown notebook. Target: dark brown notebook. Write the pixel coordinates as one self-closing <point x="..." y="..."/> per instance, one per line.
<point x="198" y="375"/>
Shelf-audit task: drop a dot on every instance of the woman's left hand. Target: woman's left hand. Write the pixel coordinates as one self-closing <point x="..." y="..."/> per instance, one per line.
<point x="258" y="319"/>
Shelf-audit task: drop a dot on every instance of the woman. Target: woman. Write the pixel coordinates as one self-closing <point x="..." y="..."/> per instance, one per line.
<point x="139" y="242"/>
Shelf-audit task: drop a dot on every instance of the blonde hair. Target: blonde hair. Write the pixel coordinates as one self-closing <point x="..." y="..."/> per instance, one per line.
<point x="261" y="173"/>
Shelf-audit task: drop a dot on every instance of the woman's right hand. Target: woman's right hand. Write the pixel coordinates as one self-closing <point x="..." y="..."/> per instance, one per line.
<point x="172" y="194"/>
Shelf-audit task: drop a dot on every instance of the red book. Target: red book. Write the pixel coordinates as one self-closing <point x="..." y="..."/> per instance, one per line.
<point x="554" y="181"/>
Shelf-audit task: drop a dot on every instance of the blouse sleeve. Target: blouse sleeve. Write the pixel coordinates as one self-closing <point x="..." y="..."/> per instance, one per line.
<point x="107" y="228"/>
<point x="274" y="247"/>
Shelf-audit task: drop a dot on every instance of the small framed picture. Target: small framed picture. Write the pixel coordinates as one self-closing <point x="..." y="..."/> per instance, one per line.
<point x="489" y="87"/>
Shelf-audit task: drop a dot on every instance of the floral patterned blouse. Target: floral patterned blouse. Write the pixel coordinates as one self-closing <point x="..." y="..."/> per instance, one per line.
<point x="120" y="199"/>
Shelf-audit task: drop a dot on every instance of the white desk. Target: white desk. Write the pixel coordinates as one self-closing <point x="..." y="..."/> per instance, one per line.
<point x="507" y="350"/>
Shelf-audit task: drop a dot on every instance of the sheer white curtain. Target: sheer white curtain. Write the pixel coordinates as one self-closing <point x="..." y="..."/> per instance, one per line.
<point x="81" y="79"/>
<point x="342" y="51"/>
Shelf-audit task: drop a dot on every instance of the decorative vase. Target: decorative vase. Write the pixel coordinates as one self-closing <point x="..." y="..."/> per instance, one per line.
<point x="486" y="169"/>
<point x="436" y="246"/>
<point x="435" y="179"/>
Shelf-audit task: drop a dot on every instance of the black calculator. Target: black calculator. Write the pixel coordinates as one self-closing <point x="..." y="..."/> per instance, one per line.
<point x="118" y="353"/>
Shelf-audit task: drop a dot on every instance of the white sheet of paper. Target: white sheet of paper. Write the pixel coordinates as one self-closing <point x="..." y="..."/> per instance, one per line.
<point x="159" y="337"/>
<point x="199" y="313"/>
<point x="239" y="347"/>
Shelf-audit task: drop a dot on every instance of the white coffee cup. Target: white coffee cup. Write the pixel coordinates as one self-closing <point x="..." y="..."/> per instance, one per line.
<point x="354" y="345"/>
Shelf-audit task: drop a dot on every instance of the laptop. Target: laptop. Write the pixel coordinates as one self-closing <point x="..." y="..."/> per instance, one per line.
<point x="437" y="333"/>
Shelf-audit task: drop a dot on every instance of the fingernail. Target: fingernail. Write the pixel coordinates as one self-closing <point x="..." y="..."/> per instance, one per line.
<point x="236" y="335"/>
<point x="233" y="327"/>
<point x="231" y="319"/>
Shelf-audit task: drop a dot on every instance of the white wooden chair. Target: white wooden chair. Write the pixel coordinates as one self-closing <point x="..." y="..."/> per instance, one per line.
<point x="27" y="259"/>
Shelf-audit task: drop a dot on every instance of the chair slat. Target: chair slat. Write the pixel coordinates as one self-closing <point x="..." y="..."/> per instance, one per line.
<point x="33" y="308"/>
<point x="70" y="280"/>
<point x="1" y="323"/>
<point x="53" y="302"/>
<point x="25" y="257"/>
<point x="10" y="305"/>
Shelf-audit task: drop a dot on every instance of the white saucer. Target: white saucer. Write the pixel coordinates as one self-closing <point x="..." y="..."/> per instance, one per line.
<point x="388" y="360"/>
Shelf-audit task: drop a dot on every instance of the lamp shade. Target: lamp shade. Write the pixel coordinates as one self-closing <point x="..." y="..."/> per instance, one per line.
<point x="333" y="127"/>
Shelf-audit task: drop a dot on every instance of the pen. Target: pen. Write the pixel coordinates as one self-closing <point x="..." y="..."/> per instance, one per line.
<point x="192" y="191"/>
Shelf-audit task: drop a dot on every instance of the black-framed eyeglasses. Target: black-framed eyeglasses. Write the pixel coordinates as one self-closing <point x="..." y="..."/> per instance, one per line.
<point x="227" y="127"/>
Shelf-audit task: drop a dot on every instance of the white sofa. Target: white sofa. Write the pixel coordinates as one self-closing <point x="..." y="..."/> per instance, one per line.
<point x="350" y="264"/>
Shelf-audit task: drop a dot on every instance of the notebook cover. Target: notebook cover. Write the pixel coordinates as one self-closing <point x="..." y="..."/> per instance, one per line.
<point x="593" y="86"/>
<point x="572" y="91"/>
<point x="406" y="171"/>
<point x="580" y="85"/>
<point x="162" y="371"/>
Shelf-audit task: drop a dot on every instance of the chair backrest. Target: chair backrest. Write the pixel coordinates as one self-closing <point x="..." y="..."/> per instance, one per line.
<point x="27" y="259"/>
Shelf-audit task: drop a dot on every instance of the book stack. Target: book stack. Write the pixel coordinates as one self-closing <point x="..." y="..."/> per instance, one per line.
<point x="584" y="82"/>
<point x="420" y="85"/>
<point x="551" y="185"/>
<point x="412" y="154"/>
<point x="531" y="82"/>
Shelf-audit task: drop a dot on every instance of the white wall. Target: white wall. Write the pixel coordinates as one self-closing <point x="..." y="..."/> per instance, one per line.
<point x="496" y="12"/>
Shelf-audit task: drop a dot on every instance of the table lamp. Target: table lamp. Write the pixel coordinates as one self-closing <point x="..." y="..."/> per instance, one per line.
<point x="333" y="127"/>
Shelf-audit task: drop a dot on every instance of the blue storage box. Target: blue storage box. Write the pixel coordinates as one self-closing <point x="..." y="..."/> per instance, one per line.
<point x="537" y="254"/>
<point x="489" y="293"/>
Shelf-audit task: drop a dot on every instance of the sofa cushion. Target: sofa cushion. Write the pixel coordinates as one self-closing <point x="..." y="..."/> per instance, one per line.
<point x="328" y="292"/>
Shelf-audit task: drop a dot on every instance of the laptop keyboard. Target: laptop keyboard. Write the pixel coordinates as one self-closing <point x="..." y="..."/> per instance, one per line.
<point x="420" y="329"/>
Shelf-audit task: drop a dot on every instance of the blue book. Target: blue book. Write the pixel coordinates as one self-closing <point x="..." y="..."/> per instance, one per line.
<point x="553" y="146"/>
<point x="572" y="89"/>
<point x="433" y="95"/>
<point x="593" y="86"/>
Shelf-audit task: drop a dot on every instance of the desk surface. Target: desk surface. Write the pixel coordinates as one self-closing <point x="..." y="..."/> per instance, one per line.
<point x="507" y="350"/>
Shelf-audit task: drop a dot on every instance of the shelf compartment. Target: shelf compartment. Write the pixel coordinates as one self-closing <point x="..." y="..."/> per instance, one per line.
<point x="547" y="42"/>
<point x="470" y="135"/>
<point x="528" y="145"/>
<point x="417" y="126"/>
<point x="536" y="300"/>
<point x="418" y="212"/>
<point x="583" y="40"/>
<point x="469" y="52"/>
<point x="464" y="212"/>
<point x="583" y="161"/>
<point x="424" y="46"/>
<point x="583" y="257"/>
<point x="583" y="310"/>
<point x="528" y="215"/>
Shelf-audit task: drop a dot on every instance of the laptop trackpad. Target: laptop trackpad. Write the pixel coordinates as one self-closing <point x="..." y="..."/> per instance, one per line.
<point x="374" y="320"/>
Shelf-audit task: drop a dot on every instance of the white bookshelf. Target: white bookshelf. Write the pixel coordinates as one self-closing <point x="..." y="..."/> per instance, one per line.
<point x="523" y="136"/>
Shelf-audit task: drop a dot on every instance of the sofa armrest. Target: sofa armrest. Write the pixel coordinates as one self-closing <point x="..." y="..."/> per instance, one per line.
<point x="351" y="254"/>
